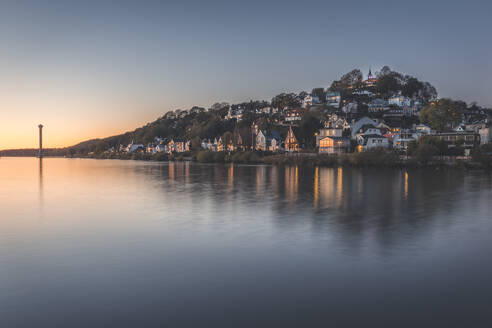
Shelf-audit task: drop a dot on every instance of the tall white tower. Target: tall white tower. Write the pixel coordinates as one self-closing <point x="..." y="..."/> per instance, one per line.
<point x="40" y="126"/>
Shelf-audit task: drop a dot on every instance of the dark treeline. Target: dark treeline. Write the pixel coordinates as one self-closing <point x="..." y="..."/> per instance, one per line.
<point x="31" y="152"/>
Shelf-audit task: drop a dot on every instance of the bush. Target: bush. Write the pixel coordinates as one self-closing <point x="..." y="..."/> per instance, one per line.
<point x="160" y="157"/>
<point x="425" y="152"/>
<point x="205" y="156"/>
<point x="219" y="157"/>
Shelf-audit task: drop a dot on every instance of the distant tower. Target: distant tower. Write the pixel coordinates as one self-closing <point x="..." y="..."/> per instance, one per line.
<point x="40" y="126"/>
<point x="369" y="76"/>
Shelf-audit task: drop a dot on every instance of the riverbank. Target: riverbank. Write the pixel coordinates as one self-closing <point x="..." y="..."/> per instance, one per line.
<point x="374" y="158"/>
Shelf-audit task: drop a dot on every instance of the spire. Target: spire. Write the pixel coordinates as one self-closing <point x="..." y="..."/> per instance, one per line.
<point x="369" y="76"/>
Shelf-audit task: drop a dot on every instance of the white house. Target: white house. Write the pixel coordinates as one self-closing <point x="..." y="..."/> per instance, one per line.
<point x="424" y="129"/>
<point x="371" y="141"/>
<point x="355" y="127"/>
<point x="351" y="107"/>
<point x="132" y="147"/>
<point x="485" y="135"/>
<point x="331" y="129"/>
<point x="400" y="101"/>
<point x="333" y="145"/>
<point x="402" y="139"/>
<point x="261" y="141"/>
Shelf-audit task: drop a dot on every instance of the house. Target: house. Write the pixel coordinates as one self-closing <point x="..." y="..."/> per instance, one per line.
<point x="367" y="130"/>
<point x="424" y="129"/>
<point x="378" y="105"/>
<point x="371" y="141"/>
<point x="333" y="99"/>
<point x="391" y="126"/>
<point x="333" y="145"/>
<point x="364" y="93"/>
<point x="371" y="80"/>
<point x="485" y="135"/>
<point x="178" y="146"/>
<point x="291" y="143"/>
<point x="220" y="145"/>
<point x="133" y="147"/>
<point x="292" y="115"/>
<point x="469" y="139"/>
<point x="356" y="126"/>
<point x="161" y="148"/>
<point x="350" y="108"/>
<point x="170" y="115"/>
<point x="400" y="101"/>
<point x="151" y="149"/>
<point x="234" y="114"/>
<point x="237" y="141"/>
<point x="209" y="145"/>
<point x="331" y="129"/>
<point x="183" y="114"/>
<point x="271" y="142"/>
<point x="261" y="141"/>
<point x="306" y="101"/>
<point x="394" y="112"/>
<point x="265" y="110"/>
<point x="275" y="144"/>
<point x="402" y="139"/>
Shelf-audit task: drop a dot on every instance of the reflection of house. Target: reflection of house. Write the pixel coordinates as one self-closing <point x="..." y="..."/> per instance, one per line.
<point x="291" y="143"/>
<point x="334" y="145"/>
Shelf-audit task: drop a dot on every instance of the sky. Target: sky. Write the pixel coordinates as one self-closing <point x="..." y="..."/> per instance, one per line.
<point x="90" y="69"/>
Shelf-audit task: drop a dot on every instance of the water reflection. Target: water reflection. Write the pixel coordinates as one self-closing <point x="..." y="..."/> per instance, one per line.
<point x="177" y="242"/>
<point x="386" y="204"/>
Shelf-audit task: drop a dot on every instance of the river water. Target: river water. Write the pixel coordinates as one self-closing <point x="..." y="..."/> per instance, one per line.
<point x="107" y="243"/>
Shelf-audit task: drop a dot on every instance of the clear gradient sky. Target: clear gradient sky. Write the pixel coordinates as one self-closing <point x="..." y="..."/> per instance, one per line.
<point x="88" y="69"/>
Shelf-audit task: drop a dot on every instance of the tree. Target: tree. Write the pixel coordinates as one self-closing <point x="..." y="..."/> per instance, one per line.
<point x="320" y="93"/>
<point x="425" y="152"/>
<point x="349" y="81"/>
<point x="384" y="71"/>
<point x="286" y="100"/>
<point x="387" y="85"/>
<point x="412" y="88"/>
<point x="196" y="143"/>
<point x="443" y="113"/>
<point x="308" y="126"/>
<point x="227" y="138"/>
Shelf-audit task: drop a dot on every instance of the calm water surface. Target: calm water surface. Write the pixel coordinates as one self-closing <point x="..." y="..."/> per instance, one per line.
<point x="88" y="243"/>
